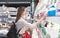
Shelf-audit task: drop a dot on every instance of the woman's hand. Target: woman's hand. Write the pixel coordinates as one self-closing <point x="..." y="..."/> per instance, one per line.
<point x="43" y="16"/>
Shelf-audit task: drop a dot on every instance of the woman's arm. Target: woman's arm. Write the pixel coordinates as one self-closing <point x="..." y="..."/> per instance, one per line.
<point x="39" y="8"/>
<point x="43" y="15"/>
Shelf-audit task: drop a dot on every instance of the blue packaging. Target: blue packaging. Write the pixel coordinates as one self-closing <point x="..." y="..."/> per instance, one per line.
<point x="52" y="11"/>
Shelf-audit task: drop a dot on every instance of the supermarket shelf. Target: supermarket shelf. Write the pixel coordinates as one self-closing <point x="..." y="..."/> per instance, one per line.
<point x="14" y="2"/>
<point x="54" y="19"/>
<point x="54" y="16"/>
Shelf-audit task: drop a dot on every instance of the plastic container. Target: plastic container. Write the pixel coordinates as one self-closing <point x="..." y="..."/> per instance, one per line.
<point x="52" y="11"/>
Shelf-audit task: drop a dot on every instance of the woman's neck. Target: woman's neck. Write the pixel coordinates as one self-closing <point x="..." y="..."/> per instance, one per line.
<point x="22" y="18"/>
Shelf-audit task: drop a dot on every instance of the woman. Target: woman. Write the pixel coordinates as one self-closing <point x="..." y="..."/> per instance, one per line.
<point x="22" y="23"/>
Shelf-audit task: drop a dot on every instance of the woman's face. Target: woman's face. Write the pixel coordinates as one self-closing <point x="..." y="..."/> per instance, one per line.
<point x="24" y="14"/>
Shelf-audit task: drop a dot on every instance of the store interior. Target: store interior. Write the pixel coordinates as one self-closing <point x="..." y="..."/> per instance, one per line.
<point x="8" y="12"/>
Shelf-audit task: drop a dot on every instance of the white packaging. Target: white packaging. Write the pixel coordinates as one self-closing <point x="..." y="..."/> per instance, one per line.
<point x="58" y="8"/>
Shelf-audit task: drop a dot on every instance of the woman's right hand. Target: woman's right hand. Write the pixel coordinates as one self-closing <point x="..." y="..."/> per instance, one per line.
<point x="42" y="17"/>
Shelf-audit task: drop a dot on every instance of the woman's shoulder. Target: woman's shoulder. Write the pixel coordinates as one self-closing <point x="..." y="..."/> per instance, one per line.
<point x="20" y="20"/>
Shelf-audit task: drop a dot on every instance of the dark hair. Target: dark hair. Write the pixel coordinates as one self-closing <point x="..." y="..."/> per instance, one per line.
<point x="19" y="13"/>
